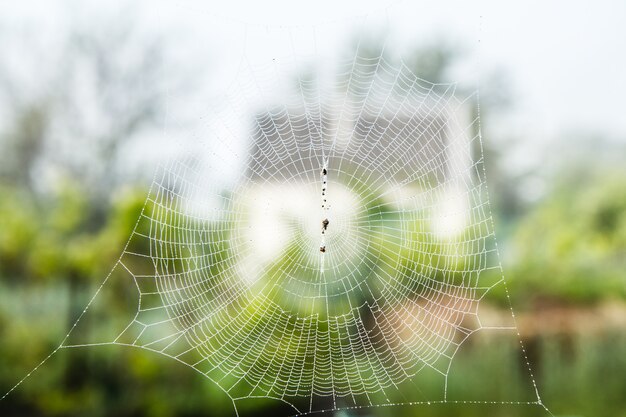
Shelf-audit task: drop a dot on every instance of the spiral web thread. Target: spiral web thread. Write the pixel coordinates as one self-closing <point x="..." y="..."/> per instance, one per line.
<point x="231" y="279"/>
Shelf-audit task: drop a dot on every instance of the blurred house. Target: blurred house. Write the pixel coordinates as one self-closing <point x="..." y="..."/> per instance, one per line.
<point x="420" y="141"/>
<point x="416" y="152"/>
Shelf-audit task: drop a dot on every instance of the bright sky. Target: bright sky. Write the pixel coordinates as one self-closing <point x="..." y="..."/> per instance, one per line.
<point x="566" y="59"/>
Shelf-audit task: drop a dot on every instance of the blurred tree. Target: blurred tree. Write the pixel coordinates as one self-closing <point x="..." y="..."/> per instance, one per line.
<point x="572" y="246"/>
<point x="75" y="103"/>
<point x="89" y="98"/>
<point x="23" y="146"/>
<point x="433" y="62"/>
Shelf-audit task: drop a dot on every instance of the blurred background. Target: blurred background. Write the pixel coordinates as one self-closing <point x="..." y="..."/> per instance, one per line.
<point x="93" y="96"/>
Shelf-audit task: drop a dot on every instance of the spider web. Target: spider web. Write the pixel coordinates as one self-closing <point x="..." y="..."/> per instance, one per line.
<point x="344" y="265"/>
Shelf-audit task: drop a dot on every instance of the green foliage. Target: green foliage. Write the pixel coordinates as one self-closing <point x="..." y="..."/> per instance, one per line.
<point x="48" y="238"/>
<point x="572" y="247"/>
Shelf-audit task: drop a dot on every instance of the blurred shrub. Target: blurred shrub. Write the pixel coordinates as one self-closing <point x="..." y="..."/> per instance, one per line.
<point x="48" y="238"/>
<point x="571" y="248"/>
